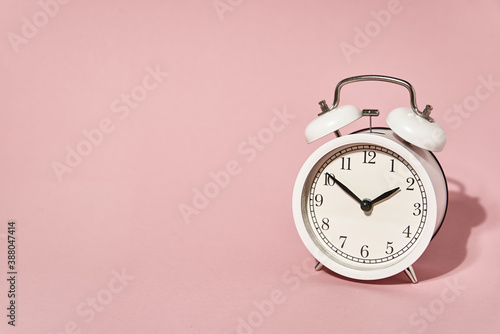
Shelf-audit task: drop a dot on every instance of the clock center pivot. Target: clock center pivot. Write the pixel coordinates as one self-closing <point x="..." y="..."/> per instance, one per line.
<point x="366" y="205"/>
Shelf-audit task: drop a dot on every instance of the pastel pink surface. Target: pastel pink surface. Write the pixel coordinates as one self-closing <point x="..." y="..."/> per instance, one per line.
<point x="103" y="246"/>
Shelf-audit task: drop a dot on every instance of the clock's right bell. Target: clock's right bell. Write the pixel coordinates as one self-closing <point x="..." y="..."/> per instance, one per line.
<point x="419" y="130"/>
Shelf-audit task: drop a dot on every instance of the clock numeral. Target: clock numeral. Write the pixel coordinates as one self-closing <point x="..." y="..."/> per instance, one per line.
<point x="367" y="155"/>
<point x="343" y="241"/>
<point x="392" y="166"/>
<point x="407" y="232"/>
<point x="319" y="200"/>
<point x="418" y="211"/>
<point x="329" y="179"/>
<point x="411" y="181"/>
<point x="346" y="163"/>
<point x="325" y="226"/>
<point x="389" y="249"/>
<point x="364" y="251"/>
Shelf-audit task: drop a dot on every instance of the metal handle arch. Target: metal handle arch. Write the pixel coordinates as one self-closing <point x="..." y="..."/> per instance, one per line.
<point x="413" y="101"/>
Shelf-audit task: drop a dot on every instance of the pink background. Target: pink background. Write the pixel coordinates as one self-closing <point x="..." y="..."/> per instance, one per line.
<point x="236" y="264"/>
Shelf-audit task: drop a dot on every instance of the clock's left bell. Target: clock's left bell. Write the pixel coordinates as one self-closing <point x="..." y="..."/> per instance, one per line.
<point x="331" y="121"/>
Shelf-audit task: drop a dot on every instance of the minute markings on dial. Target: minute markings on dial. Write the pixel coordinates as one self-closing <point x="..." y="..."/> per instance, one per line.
<point x="378" y="252"/>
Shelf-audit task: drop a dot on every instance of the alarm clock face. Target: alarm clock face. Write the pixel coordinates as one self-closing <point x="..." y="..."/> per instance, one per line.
<point x="367" y="206"/>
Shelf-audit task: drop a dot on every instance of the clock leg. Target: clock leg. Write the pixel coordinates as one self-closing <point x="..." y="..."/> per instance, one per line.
<point x="318" y="266"/>
<point x="411" y="274"/>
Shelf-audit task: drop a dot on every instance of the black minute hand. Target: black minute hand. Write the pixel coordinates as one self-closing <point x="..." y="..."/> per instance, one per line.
<point x="348" y="191"/>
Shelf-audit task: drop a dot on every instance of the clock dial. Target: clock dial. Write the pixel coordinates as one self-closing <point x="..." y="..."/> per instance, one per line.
<point x="364" y="205"/>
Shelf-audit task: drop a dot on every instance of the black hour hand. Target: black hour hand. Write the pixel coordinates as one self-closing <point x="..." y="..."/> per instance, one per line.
<point x="367" y="205"/>
<point x="384" y="195"/>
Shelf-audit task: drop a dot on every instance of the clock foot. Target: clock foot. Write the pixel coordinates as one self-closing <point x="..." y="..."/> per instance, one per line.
<point x="318" y="266"/>
<point x="411" y="274"/>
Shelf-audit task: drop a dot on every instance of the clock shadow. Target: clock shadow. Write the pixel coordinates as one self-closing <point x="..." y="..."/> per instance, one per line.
<point x="447" y="250"/>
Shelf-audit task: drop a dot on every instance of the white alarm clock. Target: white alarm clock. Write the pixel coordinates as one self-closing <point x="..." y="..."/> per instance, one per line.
<point x="367" y="204"/>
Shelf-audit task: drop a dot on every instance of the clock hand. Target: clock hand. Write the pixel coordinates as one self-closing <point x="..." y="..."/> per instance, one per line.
<point x="348" y="191"/>
<point x="384" y="195"/>
<point x="366" y="205"/>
